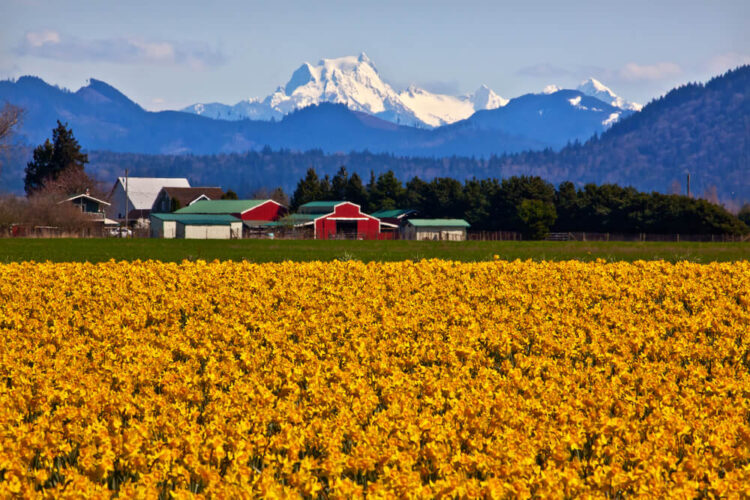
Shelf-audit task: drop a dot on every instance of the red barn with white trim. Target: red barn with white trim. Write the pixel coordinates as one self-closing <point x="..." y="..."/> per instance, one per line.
<point x="337" y="219"/>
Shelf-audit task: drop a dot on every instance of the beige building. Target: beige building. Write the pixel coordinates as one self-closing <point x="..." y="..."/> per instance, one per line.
<point x="195" y="226"/>
<point x="435" y="229"/>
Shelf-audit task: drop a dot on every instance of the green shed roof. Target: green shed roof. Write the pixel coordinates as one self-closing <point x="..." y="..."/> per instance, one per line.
<point x="322" y="204"/>
<point x="438" y="222"/>
<point x="198" y="219"/>
<point x="390" y="214"/>
<point x="319" y="207"/>
<point x="220" y="206"/>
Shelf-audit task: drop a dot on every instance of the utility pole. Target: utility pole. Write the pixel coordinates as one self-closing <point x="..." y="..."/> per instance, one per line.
<point x="126" y="202"/>
<point x="688" y="184"/>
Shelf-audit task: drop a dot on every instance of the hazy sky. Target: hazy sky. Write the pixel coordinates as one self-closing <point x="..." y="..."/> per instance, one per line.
<point x="167" y="54"/>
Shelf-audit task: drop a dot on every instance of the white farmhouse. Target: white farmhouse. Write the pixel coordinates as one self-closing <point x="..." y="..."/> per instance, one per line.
<point x="141" y="194"/>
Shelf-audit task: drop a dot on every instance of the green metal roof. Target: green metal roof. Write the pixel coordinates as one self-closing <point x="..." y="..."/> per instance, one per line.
<point x="391" y="214"/>
<point x="318" y="207"/>
<point x="198" y="219"/>
<point x="438" y="222"/>
<point x="322" y="204"/>
<point x="220" y="207"/>
<point x="297" y="219"/>
<point x="258" y="223"/>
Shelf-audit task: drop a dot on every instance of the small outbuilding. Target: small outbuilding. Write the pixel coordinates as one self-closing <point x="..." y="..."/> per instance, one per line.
<point x="196" y="226"/>
<point x="435" y="229"/>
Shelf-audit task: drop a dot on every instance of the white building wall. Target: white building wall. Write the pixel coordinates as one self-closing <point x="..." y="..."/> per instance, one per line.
<point x="236" y="230"/>
<point x="446" y="233"/>
<point x="116" y="209"/>
<point x="163" y="228"/>
<point x="170" y="229"/>
<point x="195" y="232"/>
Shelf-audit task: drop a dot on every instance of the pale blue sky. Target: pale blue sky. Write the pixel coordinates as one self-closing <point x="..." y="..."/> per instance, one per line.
<point x="172" y="53"/>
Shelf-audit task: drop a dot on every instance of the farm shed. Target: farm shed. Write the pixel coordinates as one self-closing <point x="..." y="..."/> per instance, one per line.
<point x="336" y="219"/>
<point x="435" y="229"/>
<point x="141" y="194"/>
<point x="196" y="226"/>
<point x="247" y="210"/>
<point x="170" y="199"/>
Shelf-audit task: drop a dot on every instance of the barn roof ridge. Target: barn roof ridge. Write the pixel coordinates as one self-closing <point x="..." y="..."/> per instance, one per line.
<point x="221" y="206"/>
<point x="438" y="222"/>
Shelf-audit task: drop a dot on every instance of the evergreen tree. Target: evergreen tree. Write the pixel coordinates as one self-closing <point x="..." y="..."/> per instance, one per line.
<point x="52" y="158"/>
<point x="338" y="184"/>
<point x="416" y="190"/>
<point x="325" y="189"/>
<point x="370" y="188"/>
<point x="566" y="201"/>
<point x="387" y="193"/>
<point x="744" y="214"/>
<point x="308" y="189"/>
<point x="537" y="216"/>
<point x="356" y="192"/>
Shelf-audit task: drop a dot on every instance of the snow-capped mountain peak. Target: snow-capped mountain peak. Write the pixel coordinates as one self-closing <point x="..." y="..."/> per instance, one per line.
<point x="355" y="82"/>
<point x="594" y="88"/>
<point x="363" y="58"/>
<point x="485" y="98"/>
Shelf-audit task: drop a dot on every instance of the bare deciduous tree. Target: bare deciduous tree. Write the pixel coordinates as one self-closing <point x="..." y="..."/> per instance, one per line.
<point x="10" y="116"/>
<point x="70" y="182"/>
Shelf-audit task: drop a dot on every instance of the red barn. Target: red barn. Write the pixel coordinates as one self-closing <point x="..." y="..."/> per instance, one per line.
<point x="337" y="219"/>
<point x="247" y="210"/>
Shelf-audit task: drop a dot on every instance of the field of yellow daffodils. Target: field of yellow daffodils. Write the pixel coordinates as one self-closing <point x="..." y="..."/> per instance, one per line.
<point x="345" y="379"/>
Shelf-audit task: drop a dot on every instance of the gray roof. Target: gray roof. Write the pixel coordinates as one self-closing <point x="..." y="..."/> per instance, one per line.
<point x="142" y="191"/>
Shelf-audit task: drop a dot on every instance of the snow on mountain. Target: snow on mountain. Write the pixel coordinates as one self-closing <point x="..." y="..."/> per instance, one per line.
<point x="612" y="118"/>
<point x="439" y="109"/>
<point x="355" y="82"/>
<point x="485" y="98"/>
<point x="594" y="88"/>
<point x="435" y="109"/>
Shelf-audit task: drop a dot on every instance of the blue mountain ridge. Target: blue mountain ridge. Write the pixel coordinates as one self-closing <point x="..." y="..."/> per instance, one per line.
<point x="103" y="118"/>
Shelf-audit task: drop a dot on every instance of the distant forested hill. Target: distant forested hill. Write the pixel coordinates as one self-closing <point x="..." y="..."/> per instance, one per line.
<point x="703" y="129"/>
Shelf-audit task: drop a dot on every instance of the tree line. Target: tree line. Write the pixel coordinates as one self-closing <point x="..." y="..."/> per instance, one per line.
<point x="525" y="204"/>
